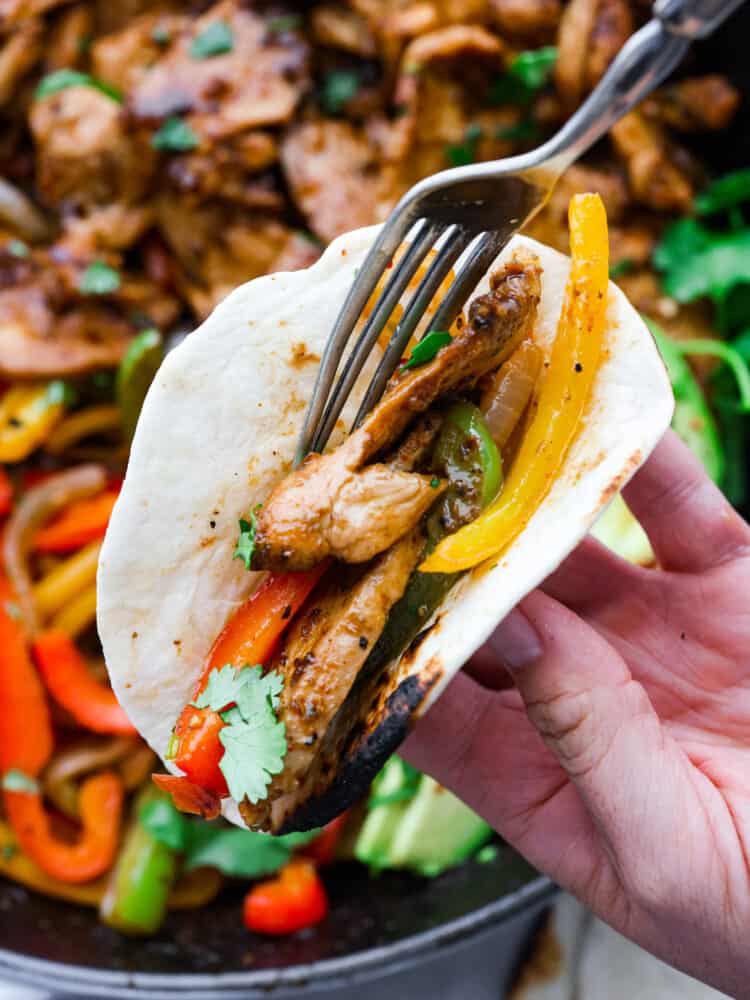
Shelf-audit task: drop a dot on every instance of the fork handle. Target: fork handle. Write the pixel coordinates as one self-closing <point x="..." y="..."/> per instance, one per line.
<point x="694" y="18"/>
<point x="646" y="59"/>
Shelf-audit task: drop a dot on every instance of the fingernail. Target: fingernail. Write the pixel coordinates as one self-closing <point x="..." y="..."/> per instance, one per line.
<point x="516" y="642"/>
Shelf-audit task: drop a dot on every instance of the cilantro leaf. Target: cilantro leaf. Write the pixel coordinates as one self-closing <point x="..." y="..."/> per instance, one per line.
<point x="258" y="691"/>
<point x="215" y="39"/>
<point x="246" y="541"/>
<point x="284" y="22"/>
<point x="17" y="248"/>
<point x="339" y="87"/>
<point x="18" y="781"/>
<point x="175" y="135"/>
<point x="724" y="194"/>
<point x="525" y="77"/>
<point x="462" y="155"/>
<point x="427" y="348"/>
<point x="222" y="688"/>
<point x="61" y="79"/>
<point x="99" y="279"/>
<point x="621" y="267"/>
<point x="253" y="753"/>
<point x="237" y="853"/>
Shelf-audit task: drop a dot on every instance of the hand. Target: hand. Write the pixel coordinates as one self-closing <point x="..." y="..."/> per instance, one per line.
<point x="620" y="762"/>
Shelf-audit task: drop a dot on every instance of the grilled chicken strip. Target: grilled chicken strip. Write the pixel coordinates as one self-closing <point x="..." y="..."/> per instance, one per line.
<point x="331" y="506"/>
<point x="326" y="647"/>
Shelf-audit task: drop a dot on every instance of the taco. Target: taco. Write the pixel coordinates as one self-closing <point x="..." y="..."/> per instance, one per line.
<point x="276" y="668"/>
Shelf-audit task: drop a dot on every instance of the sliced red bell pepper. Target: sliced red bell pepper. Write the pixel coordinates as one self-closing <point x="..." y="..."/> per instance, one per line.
<point x="80" y="523"/>
<point x="6" y="493"/>
<point x="249" y="637"/>
<point x="26" y="741"/>
<point x="322" y="850"/>
<point x="100" y="803"/>
<point x="188" y="797"/>
<point x="72" y="685"/>
<point x="289" y="903"/>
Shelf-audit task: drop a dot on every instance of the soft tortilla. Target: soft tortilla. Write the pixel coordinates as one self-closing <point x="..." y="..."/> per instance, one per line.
<point x="218" y="429"/>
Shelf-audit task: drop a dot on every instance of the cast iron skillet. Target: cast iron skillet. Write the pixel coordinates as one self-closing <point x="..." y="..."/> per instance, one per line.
<point x="385" y="920"/>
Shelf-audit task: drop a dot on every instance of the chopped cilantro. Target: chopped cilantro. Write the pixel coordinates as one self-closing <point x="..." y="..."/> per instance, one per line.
<point x="526" y="76"/>
<point x="12" y="610"/>
<point x="724" y="194"/>
<point x="284" y="22"/>
<point x="246" y="540"/>
<point x="339" y="87"/>
<point x="427" y="348"/>
<point x="17" y="248"/>
<point x="235" y="852"/>
<point x="462" y="155"/>
<point x="621" y="267"/>
<point x="215" y="39"/>
<point x="59" y="392"/>
<point x="434" y="482"/>
<point x="99" y="279"/>
<point x="161" y="35"/>
<point x="18" y="781"/>
<point x="253" y="752"/>
<point x="61" y="79"/>
<point x="175" y="135"/>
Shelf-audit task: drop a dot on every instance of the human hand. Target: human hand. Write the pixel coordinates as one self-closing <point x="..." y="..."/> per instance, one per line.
<point x="620" y="762"/>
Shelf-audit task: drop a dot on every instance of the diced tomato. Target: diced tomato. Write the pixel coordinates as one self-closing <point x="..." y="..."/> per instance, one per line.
<point x="289" y="903"/>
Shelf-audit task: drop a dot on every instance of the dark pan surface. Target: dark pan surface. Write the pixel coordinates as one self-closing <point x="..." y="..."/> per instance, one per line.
<point x="366" y="913"/>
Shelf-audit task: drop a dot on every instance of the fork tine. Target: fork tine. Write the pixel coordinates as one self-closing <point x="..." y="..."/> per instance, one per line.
<point x="389" y="239"/>
<point x="452" y="250"/>
<point x="403" y="273"/>
<point x="486" y="249"/>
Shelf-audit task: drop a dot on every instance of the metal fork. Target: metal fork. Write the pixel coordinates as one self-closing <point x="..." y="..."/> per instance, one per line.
<point x="477" y="209"/>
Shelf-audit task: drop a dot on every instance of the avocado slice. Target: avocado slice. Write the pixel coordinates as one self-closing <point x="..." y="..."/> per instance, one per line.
<point x="391" y="793"/>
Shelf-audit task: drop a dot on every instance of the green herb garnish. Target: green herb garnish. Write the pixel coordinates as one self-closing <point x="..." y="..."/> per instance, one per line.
<point x="525" y="77"/>
<point x="18" y="781"/>
<point x="339" y="87"/>
<point x="99" y="279"/>
<point x="246" y="541"/>
<point x="284" y="22"/>
<point x="621" y="267"/>
<point x="466" y="152"/>
<point x="17" y="248"/>
<point x="427" y="348"/>
<point x="254" y="740"/>
<point x="724" y="194"/>
<point x="60" y="392"/>
<point x="61" y="79"/>
<point x="214" y="40"/>
<point x="237" y="853"/>
<point x="175" y="135"/>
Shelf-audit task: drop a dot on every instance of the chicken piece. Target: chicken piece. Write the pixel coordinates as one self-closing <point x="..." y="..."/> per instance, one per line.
<point x="591" y="33"/>
<point x="528" y="20"/>
<point x="124" y="57"/>
<point x="111" y="227"/>
<point x="84" y="154"/>
<point x="656" y="180"/>
<point x="333" y="174"/>
<point x="395" y="20"/>
<point x="343" y="28"/>
<point x="327" y="645"/>
<point x="307" y="517"/>
<point x="13" y="12"/>
<point x="20" y="51"/>
<point x="218" y="246"/>
<point x="65" y="45"/>
<point x="229" y="170"/>
<point x="257" y="83"/>
<point x="696" y="104"/>
<point x="414" y="450"/>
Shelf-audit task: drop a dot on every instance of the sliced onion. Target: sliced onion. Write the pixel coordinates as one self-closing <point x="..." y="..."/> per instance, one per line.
<point x="77" y="760"/>
<point x="137" y="766"/>
<point x="21" y="214"/>
<point x="507" y="394"/>
<point x="36" y="507"/>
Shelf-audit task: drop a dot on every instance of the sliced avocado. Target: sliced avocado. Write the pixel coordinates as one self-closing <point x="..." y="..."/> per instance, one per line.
<point x="391" y="794"/>
<point x="619" y="531"/>
<point x="436" y="831"/>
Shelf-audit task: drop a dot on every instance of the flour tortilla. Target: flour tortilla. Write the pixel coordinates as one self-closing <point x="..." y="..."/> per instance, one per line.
<point x="218" y="430"/>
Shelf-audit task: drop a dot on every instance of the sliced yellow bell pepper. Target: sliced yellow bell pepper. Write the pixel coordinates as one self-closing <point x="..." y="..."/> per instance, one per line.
<point x="28" y="414"/>
<point x="559" y="404"/>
